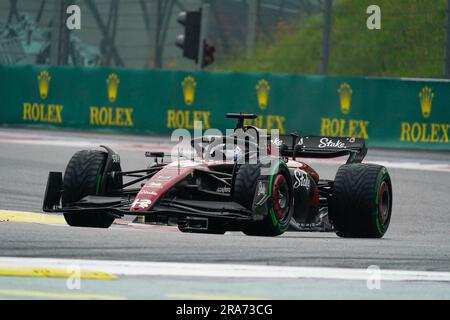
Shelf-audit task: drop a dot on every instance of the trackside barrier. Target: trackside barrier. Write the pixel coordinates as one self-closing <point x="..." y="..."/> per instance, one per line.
<point x="397" y="113"/>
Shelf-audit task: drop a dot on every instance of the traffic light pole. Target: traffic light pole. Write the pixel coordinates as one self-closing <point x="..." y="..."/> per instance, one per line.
<point x="203" y="34"/>
<point x="60" y="36"/>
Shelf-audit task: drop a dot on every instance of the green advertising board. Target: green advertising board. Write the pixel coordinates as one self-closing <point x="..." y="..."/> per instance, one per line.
<point x="397" y="113"/>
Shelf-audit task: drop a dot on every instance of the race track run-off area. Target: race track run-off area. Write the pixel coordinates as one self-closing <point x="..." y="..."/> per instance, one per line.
<point x="40" y="254"/>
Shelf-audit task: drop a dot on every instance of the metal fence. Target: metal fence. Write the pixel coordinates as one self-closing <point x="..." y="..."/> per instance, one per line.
<point x="138" y="33"/>
<point x="142" y="33"/>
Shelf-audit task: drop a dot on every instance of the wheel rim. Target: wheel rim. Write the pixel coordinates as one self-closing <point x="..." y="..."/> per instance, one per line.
<point x="384" y="203"/>
<point x="281" y="197"/>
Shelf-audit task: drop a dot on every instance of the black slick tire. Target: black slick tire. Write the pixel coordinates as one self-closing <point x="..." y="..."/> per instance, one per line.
<point x="361" y="204"/>
<point x="83" y="178"/>
<point x="277" y="220"/>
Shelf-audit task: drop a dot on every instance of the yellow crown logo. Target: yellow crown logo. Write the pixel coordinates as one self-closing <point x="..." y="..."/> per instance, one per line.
<point x="262" y="92"/>
<point x="189" y="85"/>
<point x="44" y="84"/>
<point x="112" y="84"/>
<point x="345" y="95"/>
<point x="426" y="101"/>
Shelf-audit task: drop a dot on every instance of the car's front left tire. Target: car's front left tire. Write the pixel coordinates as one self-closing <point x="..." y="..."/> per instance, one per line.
<point x="83" y="178"/>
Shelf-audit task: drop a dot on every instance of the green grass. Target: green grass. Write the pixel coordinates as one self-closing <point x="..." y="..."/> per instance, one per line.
<point x="410" y="43"/>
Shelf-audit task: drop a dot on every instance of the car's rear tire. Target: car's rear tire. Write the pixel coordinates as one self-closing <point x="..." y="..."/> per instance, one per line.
<point x="277" y="220"/>
<point x="361" y="204"/>
<point x="83" y="178"/>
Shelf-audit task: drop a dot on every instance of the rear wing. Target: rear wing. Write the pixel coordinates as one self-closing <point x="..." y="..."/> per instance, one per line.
<point x="321" y="147"/>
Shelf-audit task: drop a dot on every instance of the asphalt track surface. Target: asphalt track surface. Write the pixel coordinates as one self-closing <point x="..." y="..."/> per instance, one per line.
<point x="418" y="237"/>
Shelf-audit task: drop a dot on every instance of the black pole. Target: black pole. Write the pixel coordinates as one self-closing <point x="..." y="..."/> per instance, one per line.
<point x="59" y="51"/>
<point x="325" y="54"/>
<point x="447" y="43"/>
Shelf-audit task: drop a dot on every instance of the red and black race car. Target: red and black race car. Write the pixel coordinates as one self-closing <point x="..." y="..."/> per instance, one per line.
<point x="247" y="181"/>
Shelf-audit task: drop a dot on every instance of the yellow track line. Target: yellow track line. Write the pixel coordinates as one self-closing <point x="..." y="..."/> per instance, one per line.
<point x="30" y="217"/>
<point x="54" y="273"/>
<point x="56" y="295"/>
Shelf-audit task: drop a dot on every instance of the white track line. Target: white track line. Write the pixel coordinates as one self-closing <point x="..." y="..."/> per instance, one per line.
<point x="438" y="167"/>
<point x="130" y="268"/>
<point x="45" y="141"/>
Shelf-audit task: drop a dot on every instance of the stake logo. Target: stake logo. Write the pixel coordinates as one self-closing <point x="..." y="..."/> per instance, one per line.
<point x="189" y="86"/>
<point x="39" y="112"/>
<point x="109" y="116"/>
<point x="262" y="93"/>
<point x="301" y="179"/>
<point x="344" y="127"/>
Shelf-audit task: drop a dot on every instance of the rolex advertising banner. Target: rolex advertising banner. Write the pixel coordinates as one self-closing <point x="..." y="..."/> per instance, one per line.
<point x="394" y="113"/>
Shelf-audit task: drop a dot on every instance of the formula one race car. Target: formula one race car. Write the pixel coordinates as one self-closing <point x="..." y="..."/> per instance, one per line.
<point x="247" y="181"/>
